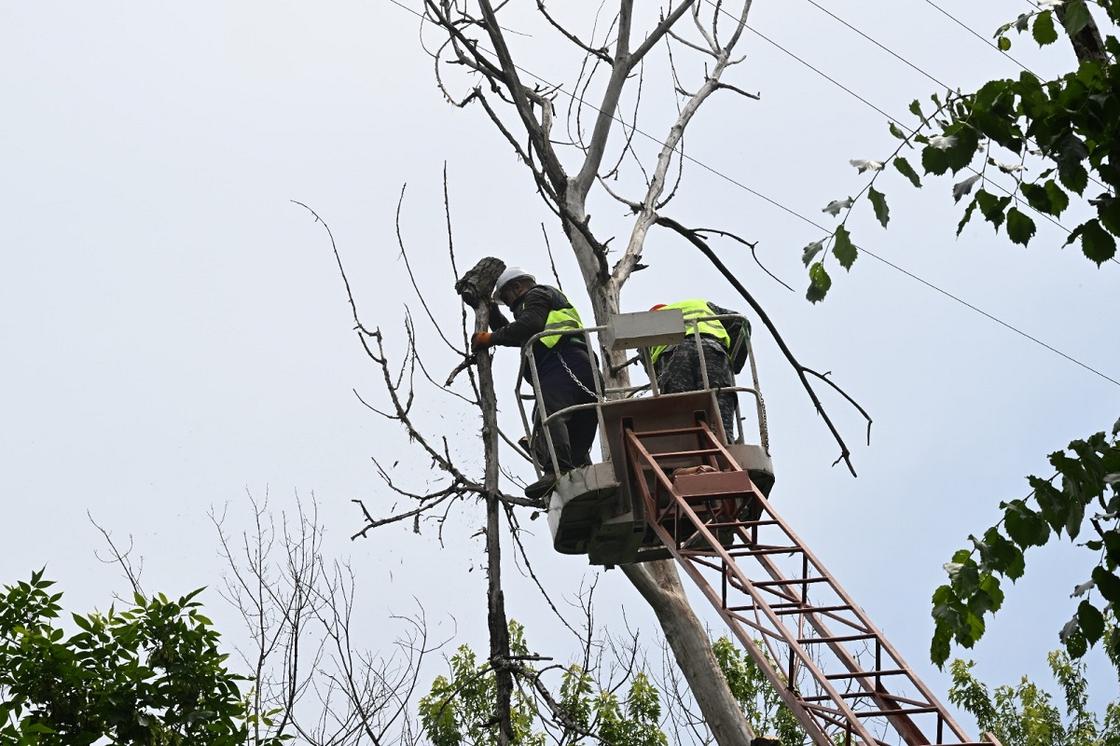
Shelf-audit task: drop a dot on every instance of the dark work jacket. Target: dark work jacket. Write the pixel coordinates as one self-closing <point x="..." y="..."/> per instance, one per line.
<point x="530" y="314"/>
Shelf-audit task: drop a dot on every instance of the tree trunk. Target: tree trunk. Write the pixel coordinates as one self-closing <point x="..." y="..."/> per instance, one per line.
<point x="1087" y="43"/>
<point x="476" y="287"/>
<point x="660" y="585"/>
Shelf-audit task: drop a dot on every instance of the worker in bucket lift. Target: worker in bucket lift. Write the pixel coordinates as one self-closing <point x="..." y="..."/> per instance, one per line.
<point x="563" y="367"/>
<point x="677" y="367"/>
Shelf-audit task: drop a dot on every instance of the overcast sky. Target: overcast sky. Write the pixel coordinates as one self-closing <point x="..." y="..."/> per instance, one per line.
<point x="174" y="334"/>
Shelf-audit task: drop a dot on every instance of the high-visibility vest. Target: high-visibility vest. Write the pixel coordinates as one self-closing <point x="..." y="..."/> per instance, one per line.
<point x="692" y="310"/>
<point x="561" y="318"/>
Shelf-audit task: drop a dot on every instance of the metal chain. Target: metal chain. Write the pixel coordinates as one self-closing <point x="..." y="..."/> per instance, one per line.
<point x="572" y="375"/>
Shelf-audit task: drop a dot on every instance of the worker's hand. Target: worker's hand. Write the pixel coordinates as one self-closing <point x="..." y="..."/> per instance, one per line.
<point x="480" y="341"/>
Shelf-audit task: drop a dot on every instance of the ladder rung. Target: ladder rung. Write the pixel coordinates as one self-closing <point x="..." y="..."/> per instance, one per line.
<point x="837" y="638"/>
<point x="784" y="609"/>
<point x="668" y="431"/>
<point x="760" y="552"/>
<point x="682" y="454"/>
<point x="899" y="711"/>
<point x="874" y="693"/>
<point x="740" y="524"/>
<point x="768" y="583"/>
<point x="865" y="674"/>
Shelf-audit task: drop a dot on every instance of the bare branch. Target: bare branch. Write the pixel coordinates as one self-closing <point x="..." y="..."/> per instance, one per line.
<point x="600" y="52"/>
<point x="119" y="558"/>
<point x="692" y="237"/>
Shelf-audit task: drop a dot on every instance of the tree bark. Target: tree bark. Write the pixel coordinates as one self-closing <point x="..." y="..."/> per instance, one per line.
<point x="476" y="287"/>
<point x="1087" y="43"/>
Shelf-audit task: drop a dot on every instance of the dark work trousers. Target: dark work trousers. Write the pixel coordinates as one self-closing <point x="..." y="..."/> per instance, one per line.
<point x="678" y="370"/>
<point x="573" y="433"/>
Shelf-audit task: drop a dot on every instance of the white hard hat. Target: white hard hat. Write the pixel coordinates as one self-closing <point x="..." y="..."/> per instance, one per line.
<point x="511" y="274"/>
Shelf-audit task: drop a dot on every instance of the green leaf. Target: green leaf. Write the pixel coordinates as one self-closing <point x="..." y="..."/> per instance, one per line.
<point x="934" y="160"/>
<point x="819" y="283"/>
<point x="1000" y="555"/>
<point x="879" y="202"/>
<point x="992" y="207"/>
<point x="1097" y="243"/>
<point x="1108" y="211"/>
<point x="1048" y="198"/>
<point x="916" y="108"/>
<point x="1059" y="200"/>
<point x="843" y="248"/>
<point x="907" y="170"/>
<point x="1043" y="30"/>
<point x="1077" y="17"/>
<point x="1069" y="156"/>
<point x="1003" y="43"/>
<point x="1020" y="228"/>
<point x="1025" y="527"/>
<point x="1091" y="621"/>
<point x="896" y="130"/>
<point x="967" y="216"/>
<point x="1108" y="584"/>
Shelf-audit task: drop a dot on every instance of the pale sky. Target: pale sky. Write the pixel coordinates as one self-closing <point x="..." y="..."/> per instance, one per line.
<point x="174" y="332"/>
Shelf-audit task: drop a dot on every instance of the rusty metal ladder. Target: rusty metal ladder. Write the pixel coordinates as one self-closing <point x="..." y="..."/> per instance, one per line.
<point x="848" y="686"/>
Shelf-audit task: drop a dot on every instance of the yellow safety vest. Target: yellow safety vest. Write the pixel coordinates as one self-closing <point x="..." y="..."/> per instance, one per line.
<point x="692" y="310"/>
<point x="564" y="318"/>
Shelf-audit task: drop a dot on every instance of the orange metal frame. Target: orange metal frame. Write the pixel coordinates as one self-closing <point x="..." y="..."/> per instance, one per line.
<point x="851" y="683"/>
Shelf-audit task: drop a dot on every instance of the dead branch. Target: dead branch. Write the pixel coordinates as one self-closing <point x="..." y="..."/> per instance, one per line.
<point x="476" y="287"/>
<point x="696" y="240"/>
<point x="752" y="245"/>
<point x="119" y="558"/>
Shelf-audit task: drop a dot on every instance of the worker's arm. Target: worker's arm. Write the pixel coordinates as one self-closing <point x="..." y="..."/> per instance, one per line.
<point x="721" y="311"/>
<point x="497" y="318"/>
<point x="529" y="319"/>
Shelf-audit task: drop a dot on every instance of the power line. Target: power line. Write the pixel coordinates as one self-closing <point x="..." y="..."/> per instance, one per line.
<point x="975" y="33"/>
<point x="795" y="213"/>
<point x="868" y="103"/>
<point x="886" y="49"/>
<point x="930" y="77"/>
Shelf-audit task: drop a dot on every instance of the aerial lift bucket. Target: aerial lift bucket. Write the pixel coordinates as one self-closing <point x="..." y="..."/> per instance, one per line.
<point x="598" y="510"/>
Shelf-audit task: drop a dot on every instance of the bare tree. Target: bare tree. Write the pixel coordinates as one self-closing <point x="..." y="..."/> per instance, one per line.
<point x="523" y="108"/>
<point x="312" y="680"/>
<point x="567" y="171"/>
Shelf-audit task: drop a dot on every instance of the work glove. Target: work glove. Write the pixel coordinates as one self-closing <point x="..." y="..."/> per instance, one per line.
<point x="480" y="341"/>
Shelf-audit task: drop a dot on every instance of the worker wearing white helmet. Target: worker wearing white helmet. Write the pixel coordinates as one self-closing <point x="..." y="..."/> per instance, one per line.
<point x="563" y="368"/>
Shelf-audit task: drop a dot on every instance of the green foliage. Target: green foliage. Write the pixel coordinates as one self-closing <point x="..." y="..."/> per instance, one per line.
<point x="459" y="708"/>
<point x="761" y="704"/>
<point x="150" y="674"/>
<point x="1027" y="714"/>
<point x="1088" y="500"/>
<point x="1068" y="127"/>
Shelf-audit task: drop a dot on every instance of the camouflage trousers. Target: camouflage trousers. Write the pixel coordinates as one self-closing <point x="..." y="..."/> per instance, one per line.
<point x="678" y="370"/>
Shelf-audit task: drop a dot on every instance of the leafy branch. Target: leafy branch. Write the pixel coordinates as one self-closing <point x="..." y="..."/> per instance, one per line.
<point x="1089" y="496"/>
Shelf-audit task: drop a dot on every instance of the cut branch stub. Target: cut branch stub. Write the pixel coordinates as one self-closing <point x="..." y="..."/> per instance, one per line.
<point x="476" y="287"/>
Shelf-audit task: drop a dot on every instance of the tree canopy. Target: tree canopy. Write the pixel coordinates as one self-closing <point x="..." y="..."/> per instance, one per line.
<point x="151" y="673"/>
<point x="1025" y="146"/>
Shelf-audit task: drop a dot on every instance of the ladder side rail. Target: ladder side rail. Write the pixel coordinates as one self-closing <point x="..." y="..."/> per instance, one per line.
<point x="906" y="727"/>
<point x="785" y="690"/>
<point x="862" y="615"/>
